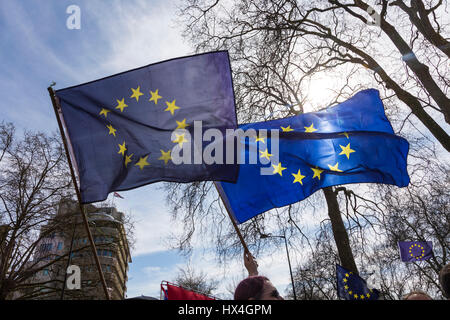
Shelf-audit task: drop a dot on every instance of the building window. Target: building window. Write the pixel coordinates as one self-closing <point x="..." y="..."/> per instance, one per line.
<point x="106" y="268"/>
<point x="45" y="247"/>
<point x="60" y="245"/>
<point x="105" y="253"/>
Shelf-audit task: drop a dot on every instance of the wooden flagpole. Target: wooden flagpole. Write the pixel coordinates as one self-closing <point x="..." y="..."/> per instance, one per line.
<point x="57" y="108"/>
<point x="233" y="221"/>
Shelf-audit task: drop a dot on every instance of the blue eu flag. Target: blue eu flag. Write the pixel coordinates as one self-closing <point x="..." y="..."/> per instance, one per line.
<point x="415" y="250"/>
<point x="352" y="142"/>
<point x="351" y="286"/>
<point x="121" y="128"/>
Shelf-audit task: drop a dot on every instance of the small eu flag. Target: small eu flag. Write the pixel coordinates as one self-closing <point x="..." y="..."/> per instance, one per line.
<point x="352" y="142"/>
<point x="351" y="286"/>
<point x="415" y="250"/>
<point x="121" y="128"/>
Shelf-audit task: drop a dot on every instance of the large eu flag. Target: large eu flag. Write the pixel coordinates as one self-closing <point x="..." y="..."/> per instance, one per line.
<point x="352" y="142"/>
<point x="121" y="127"/>
<point x="351" y="286"/>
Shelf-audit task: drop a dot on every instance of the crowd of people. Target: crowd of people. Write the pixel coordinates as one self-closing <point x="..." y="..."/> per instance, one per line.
<point x="257" y="287"/>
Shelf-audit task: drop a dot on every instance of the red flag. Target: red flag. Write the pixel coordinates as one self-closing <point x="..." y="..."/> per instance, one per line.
<point x="177" y="293"/>
<point x="117" y="195"/>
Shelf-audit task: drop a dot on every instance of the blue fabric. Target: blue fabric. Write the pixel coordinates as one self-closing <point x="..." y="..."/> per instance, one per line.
<point x="415" y="250"/>
<point x="200" y="86"/>
<point x="350" y="286"/>
<point x="359" y="125"/>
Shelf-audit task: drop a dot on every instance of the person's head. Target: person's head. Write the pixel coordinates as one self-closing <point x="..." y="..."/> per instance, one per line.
<point x="417" y="295"/>
<point x="256" y="288"/>
<point x="444" y="280"/>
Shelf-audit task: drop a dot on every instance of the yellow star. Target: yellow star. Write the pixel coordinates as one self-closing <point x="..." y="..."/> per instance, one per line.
<point x="346" y="287"/>
<point x="265" y="154"/>
<point x="335" y="167"/>
<point x="181" y="124"/>
<point x="128" y="159"/>
<point x="171" y="107"/>
<point x="347" y="275"/>
<point x="104" y="112"/>
<point x="362" y="297"/>
<point x="344" y="134"/>
<point x="298" y="177"/>
<point x="317" y="172"/>
<point x="155" y="96"/>
<point x="287" y="129"/>
<point x="368" y="295"/>
<point x="142" y="162"/>
<point x="278" y="169"/>
<point x="310" y="128"/>
<point x="259" y="139"/>
<point x="165" y="156"/>
<point x="121" y="104"/>
<point x="346" y="150"/>
<point x="355" y="296"/>
<point x="345" y="280"/>
<point x="111" y="130"/>
<point x="180" y="139"/>
<point x="122" y="148"/>
<point x="136" y="93"/>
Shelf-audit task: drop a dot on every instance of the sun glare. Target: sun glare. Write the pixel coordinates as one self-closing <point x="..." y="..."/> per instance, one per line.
<point x="318" y="92"/>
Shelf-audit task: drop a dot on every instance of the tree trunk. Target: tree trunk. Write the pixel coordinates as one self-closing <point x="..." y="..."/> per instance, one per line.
<point x="339" y="231"/>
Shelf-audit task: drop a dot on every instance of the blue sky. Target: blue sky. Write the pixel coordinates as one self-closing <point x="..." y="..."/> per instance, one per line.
<point x="37" y="48"/>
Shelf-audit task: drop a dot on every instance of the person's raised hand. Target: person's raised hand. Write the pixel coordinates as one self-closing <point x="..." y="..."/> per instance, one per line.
<point x="250" y="264"/>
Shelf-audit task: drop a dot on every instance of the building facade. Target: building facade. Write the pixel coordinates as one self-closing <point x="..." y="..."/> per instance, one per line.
<point x="71" y="247"/>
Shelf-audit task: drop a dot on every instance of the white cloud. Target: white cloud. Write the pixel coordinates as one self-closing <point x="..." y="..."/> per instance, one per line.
<point x="139" y="34"/>
<point x="152" y="222"/>
<point x="152" y="270"/>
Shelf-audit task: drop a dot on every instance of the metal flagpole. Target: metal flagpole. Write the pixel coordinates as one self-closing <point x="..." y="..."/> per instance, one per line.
<point x="56" y="108"/>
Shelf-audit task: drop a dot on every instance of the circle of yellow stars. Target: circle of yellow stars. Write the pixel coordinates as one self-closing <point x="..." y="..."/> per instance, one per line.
<point x="353" y="294"/>
<point x="316" y="172"/>
<point x="171" y="106"/>
<point x="422" y="251"/>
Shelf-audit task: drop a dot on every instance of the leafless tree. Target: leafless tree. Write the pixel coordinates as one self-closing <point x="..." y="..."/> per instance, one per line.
<point x="376" y="221"/>
<point x="33" y="179"/>
<point x="199" y="282"/>
<point x="277" y="49"/>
